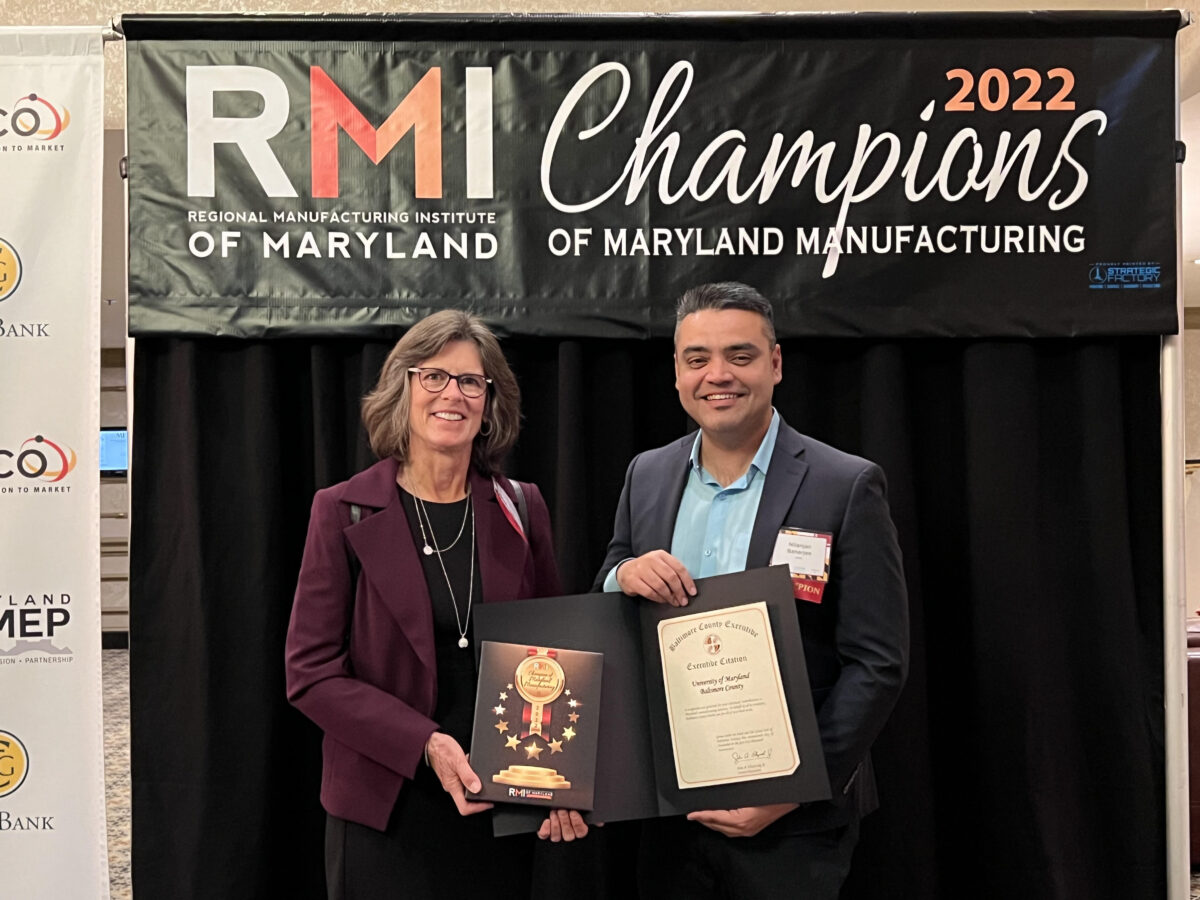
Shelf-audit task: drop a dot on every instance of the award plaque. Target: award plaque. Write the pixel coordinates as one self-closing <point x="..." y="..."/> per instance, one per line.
<point x="537" y="716"/>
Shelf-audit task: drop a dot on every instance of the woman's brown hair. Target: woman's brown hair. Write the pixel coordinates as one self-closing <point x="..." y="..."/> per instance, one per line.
<point x="385" y="409"/>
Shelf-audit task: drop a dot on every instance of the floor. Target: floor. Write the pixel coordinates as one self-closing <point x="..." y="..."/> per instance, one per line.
<point x="116" y="769"/>
<point x="116" y="773"/>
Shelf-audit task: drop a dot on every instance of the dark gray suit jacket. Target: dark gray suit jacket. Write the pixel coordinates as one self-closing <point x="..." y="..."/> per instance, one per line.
<point x="856" y="639"/>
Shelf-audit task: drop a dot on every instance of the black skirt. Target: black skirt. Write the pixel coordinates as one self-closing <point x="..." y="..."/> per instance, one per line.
<point x="428" y="851"/>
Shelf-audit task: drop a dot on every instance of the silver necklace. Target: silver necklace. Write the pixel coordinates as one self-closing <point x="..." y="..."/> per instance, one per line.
<point x="463" y="643"/>
<point x="428" y="550"/>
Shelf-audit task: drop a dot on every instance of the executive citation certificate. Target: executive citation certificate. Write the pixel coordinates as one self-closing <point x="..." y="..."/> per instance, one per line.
<point x="726" y="707"/>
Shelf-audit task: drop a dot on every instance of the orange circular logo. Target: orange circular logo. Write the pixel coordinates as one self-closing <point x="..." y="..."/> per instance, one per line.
<point x="10" y="269"/>
<point x="14" y="763"/>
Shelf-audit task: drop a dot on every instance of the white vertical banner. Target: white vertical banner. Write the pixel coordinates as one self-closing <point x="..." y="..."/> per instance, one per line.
<point x="52" y="816"/>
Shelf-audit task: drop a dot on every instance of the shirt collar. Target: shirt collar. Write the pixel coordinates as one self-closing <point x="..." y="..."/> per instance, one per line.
<point x="762" y="458"/>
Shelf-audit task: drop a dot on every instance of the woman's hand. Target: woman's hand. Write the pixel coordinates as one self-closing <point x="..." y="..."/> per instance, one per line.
<point x="563" y="825"/>
<point x="449" y="763"/>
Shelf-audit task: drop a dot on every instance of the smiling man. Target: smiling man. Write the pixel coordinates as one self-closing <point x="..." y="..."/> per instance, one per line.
<point x="714" y="502"/>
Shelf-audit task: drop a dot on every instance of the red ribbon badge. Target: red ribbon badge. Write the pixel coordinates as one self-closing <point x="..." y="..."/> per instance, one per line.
<point x="808" y="589"/>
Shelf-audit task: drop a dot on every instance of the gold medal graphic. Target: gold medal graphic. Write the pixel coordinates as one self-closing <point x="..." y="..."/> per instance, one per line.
<point x="539" y="679"/>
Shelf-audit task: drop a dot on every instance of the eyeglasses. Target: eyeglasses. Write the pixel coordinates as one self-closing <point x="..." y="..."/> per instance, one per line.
<point x="435" y="381"/>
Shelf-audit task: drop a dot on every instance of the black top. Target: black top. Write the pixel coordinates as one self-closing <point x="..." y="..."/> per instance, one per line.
<point x="456" y="675"/>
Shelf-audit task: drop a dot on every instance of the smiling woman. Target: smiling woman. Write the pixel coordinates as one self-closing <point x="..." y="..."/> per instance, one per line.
<point x="397" y="409"/>
<point x="379" y="645"/>
<point x="445" y="419"/>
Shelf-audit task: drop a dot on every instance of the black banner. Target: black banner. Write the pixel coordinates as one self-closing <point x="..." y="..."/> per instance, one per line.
<point x="883" y="175"/>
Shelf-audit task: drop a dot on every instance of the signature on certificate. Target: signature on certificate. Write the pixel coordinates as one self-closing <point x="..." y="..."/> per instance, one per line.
<point x="750" y="754"/>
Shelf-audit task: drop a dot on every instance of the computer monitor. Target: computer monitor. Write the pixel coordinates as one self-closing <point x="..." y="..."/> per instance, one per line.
<point x="114" y="452"/>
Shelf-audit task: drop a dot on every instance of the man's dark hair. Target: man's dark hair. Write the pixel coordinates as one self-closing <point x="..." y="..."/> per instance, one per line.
<point x="726" y="295"/>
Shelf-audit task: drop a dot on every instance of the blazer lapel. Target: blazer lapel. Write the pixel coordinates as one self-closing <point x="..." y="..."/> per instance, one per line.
<point x="502" y="552"/>
<point x="383" y="543"/>
<point x="784" y="476"/>
<point x="665" y="493"/>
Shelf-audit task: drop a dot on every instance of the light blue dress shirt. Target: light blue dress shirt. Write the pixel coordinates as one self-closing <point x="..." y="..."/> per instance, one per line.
<point x="713" y="526"/>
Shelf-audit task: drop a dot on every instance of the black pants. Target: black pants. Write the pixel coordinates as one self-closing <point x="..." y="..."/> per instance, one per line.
<point x="680" y="860"/>
<point x="428" y="851"/>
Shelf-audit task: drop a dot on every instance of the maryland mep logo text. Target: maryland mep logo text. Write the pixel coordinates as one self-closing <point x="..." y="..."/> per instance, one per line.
<point x="14" y="763"/>
<point x="34" y="118"/>
<point x="10" y="269"/>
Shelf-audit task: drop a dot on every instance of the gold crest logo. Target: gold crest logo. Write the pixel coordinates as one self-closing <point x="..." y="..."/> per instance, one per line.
<point x="14" y="763"/>
<point x="10" y="269"/>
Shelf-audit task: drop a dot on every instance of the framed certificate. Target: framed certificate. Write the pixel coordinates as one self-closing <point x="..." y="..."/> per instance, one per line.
<point x="753" y="742"/>
<point x="726" y="706"/>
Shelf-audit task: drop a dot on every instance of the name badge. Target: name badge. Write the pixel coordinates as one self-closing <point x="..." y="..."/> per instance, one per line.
<point x="806" y="554"/>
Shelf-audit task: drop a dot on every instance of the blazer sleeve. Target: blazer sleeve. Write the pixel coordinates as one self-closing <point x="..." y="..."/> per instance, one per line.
<point x="871" y="631"/>
<point x="319" y="672"/>
<point x="541" y="545"/>
<point x="620" y="547"/>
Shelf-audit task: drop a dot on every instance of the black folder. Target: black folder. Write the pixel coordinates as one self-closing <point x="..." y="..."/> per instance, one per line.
<point x="635" y="771"/>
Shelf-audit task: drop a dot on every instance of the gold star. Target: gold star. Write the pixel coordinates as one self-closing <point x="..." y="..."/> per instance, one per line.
<point x="501" y="726"/>
<point x="532" y="751"/>
<point x="503" y="696"/>
<point x="574" y="717"/>
<point x="498" y="710"/>
<point x="555" y="747"/>
<point x="568" y="733"/>
<point x="512" y="742"/>
<point x="573" y="703"/>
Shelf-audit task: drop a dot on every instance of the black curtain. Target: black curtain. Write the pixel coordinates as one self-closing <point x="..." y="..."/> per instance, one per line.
<point x="1025" y="758"/>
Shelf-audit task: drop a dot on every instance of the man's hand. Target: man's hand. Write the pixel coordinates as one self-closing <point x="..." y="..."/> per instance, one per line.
<point x="657" y="576"/>
<point x="745" y="822"/>
<point x="450" y="765"/>
<point x="563" y="825"/>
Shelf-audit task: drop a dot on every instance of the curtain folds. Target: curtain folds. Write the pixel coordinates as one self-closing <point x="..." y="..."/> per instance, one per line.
<point x="1025" y="757"/>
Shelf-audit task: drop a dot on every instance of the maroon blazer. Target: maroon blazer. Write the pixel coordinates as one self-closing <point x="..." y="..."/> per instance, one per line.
<point x="374" y="694"/>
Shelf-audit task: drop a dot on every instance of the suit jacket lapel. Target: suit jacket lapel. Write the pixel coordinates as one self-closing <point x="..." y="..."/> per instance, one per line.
<point x="665" y="493"/>
<point x="384" y="545"/>
<point x="784" y="476"/>
<point x="502" y="552"/>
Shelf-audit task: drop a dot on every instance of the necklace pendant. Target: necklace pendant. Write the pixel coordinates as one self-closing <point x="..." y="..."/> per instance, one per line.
<point x="427" y="550"/>
<point x="463" y="643"/>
